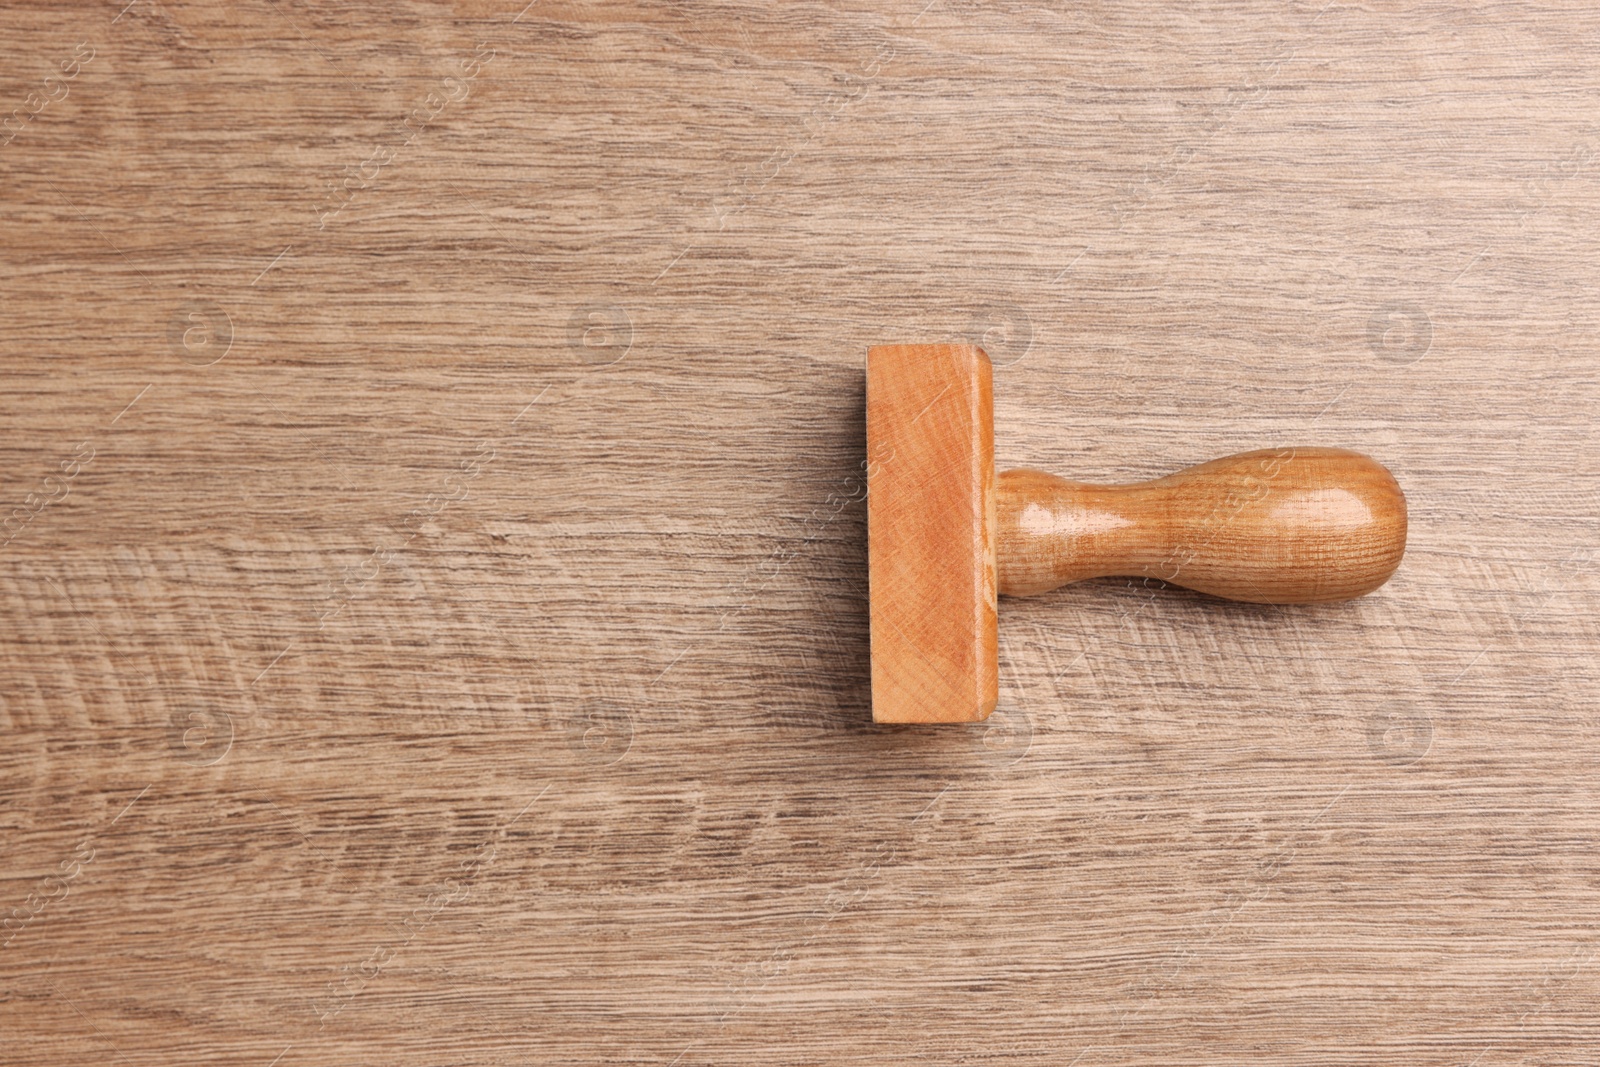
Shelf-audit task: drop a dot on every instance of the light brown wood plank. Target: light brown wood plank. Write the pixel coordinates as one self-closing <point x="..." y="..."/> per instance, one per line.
<point x="482" y="642"/>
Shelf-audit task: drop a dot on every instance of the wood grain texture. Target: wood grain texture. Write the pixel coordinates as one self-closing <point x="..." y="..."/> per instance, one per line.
<point x="931" y="534"/>
<point x="439" y="631"/>
<point x="1273" y="526"/>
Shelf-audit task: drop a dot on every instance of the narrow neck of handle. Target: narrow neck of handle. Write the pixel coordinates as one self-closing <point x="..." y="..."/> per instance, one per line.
<point x="1279" y="526"/>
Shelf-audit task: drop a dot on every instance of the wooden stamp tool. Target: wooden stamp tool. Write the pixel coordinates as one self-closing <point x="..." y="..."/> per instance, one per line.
<point x="946" y="534"/>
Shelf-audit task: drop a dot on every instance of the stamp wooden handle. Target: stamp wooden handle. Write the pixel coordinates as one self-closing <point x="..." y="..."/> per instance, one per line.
<point x="1279" y="526"/>
<point x="946" y="535"/>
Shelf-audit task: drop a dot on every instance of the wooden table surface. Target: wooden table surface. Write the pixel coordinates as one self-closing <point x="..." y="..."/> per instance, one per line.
<point x="434" y="588"/>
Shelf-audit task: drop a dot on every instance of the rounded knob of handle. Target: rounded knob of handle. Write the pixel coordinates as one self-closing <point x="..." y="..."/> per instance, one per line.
<point x="1277" y="526"/>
